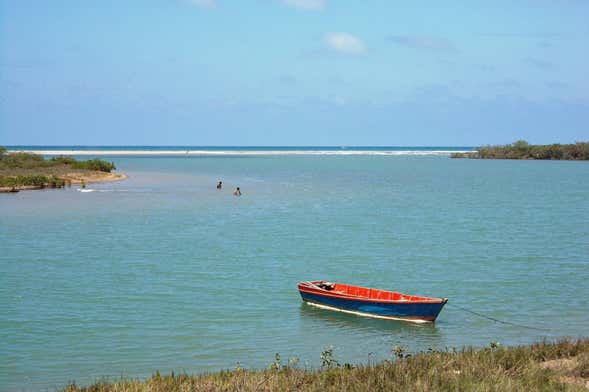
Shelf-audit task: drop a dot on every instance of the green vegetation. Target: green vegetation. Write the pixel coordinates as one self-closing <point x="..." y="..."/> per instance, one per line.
<point x="562" y="366"/>
<point x="92" y="164"/>
<point x="35" y="181"/>
<point x="23" y="160"/>
<point x="20" y="170"/>
<point x="522" y="150"/>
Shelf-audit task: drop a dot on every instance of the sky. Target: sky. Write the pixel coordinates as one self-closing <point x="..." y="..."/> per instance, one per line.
<point x="293" y="72"/>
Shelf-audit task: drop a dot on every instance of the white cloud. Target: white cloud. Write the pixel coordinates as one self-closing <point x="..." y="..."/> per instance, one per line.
<point x="311" y="5"/>
<point x="204" y="3"/>
<point x="344" y="43"/>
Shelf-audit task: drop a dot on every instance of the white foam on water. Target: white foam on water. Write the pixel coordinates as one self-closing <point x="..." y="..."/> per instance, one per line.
<point x="86" y="190"/>
<point x="245" y="152"/>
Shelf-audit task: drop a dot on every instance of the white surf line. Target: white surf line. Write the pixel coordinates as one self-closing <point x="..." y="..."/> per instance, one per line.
<point x="238" y="152"/>
<point x="368" y="314"/>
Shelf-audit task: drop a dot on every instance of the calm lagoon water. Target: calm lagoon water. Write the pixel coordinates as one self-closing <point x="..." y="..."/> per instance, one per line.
<point x="164" y="272"/>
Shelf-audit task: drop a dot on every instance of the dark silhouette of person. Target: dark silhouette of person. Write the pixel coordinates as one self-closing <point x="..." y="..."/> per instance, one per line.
<point x="237" y="192"/>
<point x="220" y="185"/>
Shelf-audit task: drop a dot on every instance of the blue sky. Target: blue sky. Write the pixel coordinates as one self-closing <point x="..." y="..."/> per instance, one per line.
<point x="293" y="72"/>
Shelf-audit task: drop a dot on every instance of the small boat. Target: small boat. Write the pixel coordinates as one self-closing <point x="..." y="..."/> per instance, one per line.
<point x="369" y="302"/>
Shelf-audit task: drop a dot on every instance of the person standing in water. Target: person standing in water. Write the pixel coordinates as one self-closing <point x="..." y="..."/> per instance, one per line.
<point x="237" y="192"/>
<point x="220" y="185"/>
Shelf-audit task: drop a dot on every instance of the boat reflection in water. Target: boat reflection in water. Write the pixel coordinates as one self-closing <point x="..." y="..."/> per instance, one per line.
<point x="359" y="339"/>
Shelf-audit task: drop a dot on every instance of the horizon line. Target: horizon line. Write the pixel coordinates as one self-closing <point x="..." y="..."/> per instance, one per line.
<point x="238" y="146"/>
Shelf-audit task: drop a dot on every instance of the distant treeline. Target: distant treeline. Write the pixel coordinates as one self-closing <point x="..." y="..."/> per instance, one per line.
<point x="523" y="150"/>
<point x="24" y="160"/>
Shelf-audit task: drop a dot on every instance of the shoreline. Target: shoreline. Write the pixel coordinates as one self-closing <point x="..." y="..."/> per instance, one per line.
<point x="560" y="365"/>
<point x="71" y="178"/>
<point x="96" y="177"/>
<point x="25" y="171"/>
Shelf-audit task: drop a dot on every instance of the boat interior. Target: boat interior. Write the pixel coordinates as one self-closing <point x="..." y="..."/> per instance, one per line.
<point x="365" y="292"/>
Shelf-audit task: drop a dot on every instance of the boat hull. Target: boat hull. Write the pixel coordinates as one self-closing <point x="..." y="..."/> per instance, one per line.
<point x="419" y="312"/>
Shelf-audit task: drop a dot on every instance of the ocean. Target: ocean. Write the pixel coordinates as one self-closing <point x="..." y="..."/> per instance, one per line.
<point x="165" y="272"/>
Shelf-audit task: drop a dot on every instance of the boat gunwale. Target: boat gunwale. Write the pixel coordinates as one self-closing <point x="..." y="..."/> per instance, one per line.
<point x="314" y="289"/>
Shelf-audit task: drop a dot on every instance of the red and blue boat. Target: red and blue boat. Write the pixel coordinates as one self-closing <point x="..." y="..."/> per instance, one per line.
<point x="369" y="302"/>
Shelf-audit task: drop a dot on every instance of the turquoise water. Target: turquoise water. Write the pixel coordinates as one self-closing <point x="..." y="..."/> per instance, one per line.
<point x="164" y="272"/>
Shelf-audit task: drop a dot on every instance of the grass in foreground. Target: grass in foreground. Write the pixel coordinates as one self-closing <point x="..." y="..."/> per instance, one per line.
<point x="522" y="150"/>
<point x="562" y="366"/>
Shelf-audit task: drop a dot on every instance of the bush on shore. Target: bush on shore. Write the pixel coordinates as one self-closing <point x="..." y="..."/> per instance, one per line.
<point x="40" y="181"/>
<point x="523" y="150"/>
<point x="23" y="160"/>
<point x="562" y="366"/>
<point x="94" y="164"/>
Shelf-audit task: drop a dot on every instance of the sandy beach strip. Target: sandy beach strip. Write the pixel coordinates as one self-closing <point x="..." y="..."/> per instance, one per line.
<point x="95" y="177"/>
<point x="74" y="178"/>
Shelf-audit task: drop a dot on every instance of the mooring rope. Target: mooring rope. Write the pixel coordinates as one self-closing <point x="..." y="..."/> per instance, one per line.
<point x="497" y="320"/>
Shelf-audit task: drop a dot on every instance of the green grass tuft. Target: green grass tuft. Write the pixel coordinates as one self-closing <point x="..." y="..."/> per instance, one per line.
<point x="495" y="368"/>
